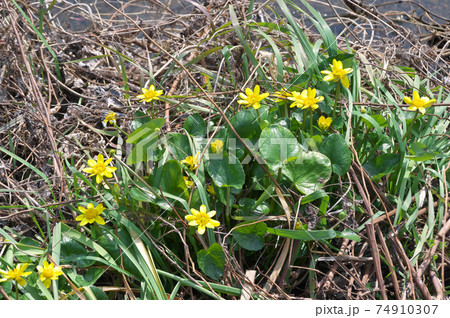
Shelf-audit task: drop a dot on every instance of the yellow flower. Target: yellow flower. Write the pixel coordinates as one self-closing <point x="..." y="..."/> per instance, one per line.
<point x="202" y="219"/>
<point x="15" y="274"/>
<point x="338" y="73"/>
<point x="324" y="123"/>
<point x="310" y="100"/>
<point x="297" y="99"/>
<point x="253" y="98"/>
<point x="191" y="161"/>
<point x="211" y="190"/>
<point x="217" y="146"/>
<point x="90" y="214"/>
<point x="188" y="182"/>
<point x="149" y="94"/>
<point x="110" y="118"/>
<point x="418" y="103"/>
<point x="282" y="95"/>
<point x="100" y="168"/>
<point x="48" y="273"/>
<point x="306" y="99"/>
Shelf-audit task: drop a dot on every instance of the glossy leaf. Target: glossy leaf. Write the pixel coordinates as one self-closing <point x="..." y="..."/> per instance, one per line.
<point x="195" y="125"/>
<point x="309" y="172"/>
<point x="278" y="145"/>
<point x="250" y="237"/>
<point x="142" y="196"/>
<point x="246" y="124"/>
<point x="420" y="152"/>
<point x="304" y="235"/>
<point x="381" y="165"/>
<point x="226" y="172"/>
<point x="335" y="148"/>
<point x="72" y="251"/>
<point x="172" y="179"/>
<point x="145" y="130"/>
<point x="349" y="234"/>
<point x="178" y="145"/>
<point x="212" y="261"/>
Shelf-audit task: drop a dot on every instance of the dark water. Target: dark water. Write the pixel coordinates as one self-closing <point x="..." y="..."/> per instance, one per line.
<point x="145" y="10"/>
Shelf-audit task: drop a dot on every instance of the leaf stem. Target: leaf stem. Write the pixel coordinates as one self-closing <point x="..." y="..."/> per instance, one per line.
<point x="259" y="118"/>
<point x="405" y="137"/>
<point x="338" y="91"/>
<point x="228" y="209"/>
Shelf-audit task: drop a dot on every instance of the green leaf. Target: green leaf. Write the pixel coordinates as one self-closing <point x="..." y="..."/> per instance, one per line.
<point x="195" y="125"/>
<point x="72" y="251"/>
<point x="250" y="237"/>
<point x="309" y="172"/>
<point x="277" y="146"/>
<point x="145" y="140"/>
<point x="420" y="152"/>
<point x="212" y="261"/>
<point x="7" y="288"/>
<point x="106" y="241"/>
<point x="178" y="145"/>
<point x="378" y="118"/>
<point x="92" y="275"/>
<point x="145" y="130"/>
<point x="381" y="165"/>
<point x="250" y="206"/>
<point x="95" y="293"/>
<point x="226" y="171"/>
<point x="140" y="195"/>
<point x="246" y="124"/>
<point x="314" y="196"/>
<point x="335" y="148"/>
<point x="139" y="118"/>
<point x="304" y="235"/>
<point x="349" y="234"/>
<point x="172" y="179"/>
<point x="26" y="249"/>
<point x="145" y="149"/>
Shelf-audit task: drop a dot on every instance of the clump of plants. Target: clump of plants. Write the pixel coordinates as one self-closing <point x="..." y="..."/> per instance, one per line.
<point x="309" y="165"/>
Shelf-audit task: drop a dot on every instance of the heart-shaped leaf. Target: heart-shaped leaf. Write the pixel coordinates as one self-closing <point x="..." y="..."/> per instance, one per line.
<point x="382" y="165"/>
<point x="226" y="171"/>
<point x="212" y="261"/>
<point x="246" y="123"/>
<point x="309" y="172"/>
<point x="172" y="179"/>
<point x="178" y="145"/>
<point x="277" y="146"/>
<point x="250" y="237"/>
<point x="195" y="125"/>
<point x="335" y="148"/>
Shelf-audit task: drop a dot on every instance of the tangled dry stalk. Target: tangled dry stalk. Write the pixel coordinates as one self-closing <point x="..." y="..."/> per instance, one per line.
<point x="51" y="111"/>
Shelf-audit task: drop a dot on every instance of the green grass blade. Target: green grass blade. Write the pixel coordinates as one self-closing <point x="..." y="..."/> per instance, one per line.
<point x="248" y="51"/>
<point x="30" y="166"/>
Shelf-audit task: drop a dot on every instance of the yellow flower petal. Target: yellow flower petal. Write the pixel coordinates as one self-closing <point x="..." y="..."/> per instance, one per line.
<point x="202" y="219"/>
<point x="47" y="283"/>
<point x="345" y="82"/>
<point x="201" y="229"/>
<point x="407" y="100"/>
<point x="99" y="220"/>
